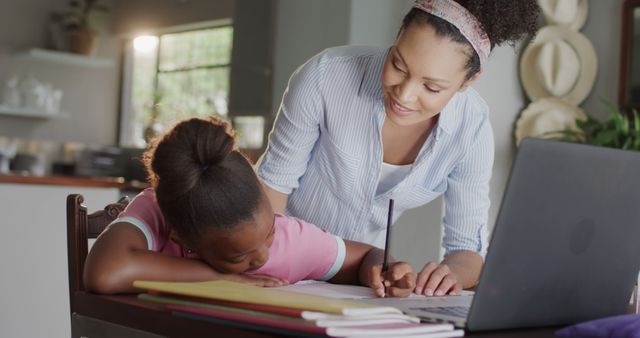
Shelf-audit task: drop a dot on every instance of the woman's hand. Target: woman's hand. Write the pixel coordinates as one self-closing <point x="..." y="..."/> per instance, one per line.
<point x="437" y="280"/>
<point x="257" y="280"/>
<point x="398" y="281"/>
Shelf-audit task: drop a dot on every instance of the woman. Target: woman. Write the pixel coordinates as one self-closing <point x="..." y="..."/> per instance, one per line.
<point x="358" y="126"/>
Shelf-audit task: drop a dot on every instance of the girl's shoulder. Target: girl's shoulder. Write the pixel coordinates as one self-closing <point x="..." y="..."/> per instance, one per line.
<point x="144" y="209"/>
<point x="146" y="199"/>
<point x="293" y="226"/>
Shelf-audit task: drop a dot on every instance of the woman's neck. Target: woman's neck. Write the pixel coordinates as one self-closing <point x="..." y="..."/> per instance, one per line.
<point x="401" y="144"/>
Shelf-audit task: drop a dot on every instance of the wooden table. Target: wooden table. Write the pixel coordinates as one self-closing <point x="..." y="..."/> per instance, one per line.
<point x="126" y="316"/>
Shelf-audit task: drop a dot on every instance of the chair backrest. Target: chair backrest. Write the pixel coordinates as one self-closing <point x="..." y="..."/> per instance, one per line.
<point x="80" y="227"/>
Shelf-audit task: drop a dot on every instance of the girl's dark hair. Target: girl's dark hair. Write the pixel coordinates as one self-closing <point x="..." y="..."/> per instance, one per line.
<point x="502" y="20"/>
<point x="200" y="180"/>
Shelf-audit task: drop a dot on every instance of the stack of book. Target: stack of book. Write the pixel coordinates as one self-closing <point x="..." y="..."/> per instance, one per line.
<point x="286" y="312"/>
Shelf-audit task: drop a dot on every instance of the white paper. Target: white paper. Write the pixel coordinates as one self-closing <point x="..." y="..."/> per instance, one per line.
<point x="342" y="291"/>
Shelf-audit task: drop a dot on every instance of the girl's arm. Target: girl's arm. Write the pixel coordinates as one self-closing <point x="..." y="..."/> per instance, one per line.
<point x="120" y="256"/>
<point x="363" y="265"/>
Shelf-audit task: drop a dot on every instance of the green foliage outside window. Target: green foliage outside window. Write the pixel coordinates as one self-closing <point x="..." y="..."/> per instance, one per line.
<point x="186" y="75"/>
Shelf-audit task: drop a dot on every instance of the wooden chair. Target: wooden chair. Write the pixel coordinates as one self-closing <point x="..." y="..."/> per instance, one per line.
<point x="80" y="227"/>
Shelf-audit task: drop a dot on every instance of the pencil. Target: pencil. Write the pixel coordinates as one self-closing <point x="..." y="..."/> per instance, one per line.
<point x="385" y="261"/>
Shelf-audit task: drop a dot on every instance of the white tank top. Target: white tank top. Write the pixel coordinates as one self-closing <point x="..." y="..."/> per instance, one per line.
<point x="391" y="175"/>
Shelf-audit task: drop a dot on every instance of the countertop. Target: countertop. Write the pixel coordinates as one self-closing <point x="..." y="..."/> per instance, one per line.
<point x="98" y="182"/>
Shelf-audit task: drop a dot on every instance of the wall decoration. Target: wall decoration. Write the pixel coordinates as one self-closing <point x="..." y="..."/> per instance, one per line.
<point x="557" y="70"/>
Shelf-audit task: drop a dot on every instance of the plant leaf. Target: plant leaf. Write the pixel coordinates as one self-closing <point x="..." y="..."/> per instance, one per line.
<point x="617" y="131"/>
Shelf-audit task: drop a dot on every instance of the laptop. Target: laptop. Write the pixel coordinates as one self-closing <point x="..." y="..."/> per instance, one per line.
<point x="565" y="247"/>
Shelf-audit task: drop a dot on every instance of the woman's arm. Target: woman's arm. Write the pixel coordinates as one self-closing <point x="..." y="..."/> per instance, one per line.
<point x="466" y="265"/>
<point x="295" y="132"/>
<point x="120" y="256"/>
<point x="363" y="265"/>
<point x="278" y="200"/>
<point x="465" y="219"/>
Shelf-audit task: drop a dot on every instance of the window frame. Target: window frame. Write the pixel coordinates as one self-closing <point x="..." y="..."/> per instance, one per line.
<point x="126" y="115"/>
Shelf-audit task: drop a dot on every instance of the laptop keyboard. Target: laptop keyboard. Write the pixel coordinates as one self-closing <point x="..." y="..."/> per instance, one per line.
<point x="456" y="311"/>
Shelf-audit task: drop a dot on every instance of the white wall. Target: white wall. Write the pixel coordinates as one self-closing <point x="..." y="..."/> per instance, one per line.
<point x="376" y="22"/>
<point x="303" y="29"/>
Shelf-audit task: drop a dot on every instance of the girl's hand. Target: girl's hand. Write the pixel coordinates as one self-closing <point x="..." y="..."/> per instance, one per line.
<point x="398" y="281"/>
<point x="437" y="280"/>
<point x="257" y="280"/>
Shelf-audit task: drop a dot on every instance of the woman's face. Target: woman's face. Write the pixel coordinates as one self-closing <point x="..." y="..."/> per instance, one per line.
<point x="421" y="74"/>
<point x="243" y="248"/>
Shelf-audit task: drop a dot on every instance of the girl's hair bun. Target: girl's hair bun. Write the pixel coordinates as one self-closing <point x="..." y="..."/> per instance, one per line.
<point x="189" y="150"/>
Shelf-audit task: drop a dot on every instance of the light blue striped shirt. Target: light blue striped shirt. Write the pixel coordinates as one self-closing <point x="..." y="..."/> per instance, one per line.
<point x="325" y="151"/>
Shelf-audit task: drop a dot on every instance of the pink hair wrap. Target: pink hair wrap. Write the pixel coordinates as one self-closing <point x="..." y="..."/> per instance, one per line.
<point x="461" y="18"/>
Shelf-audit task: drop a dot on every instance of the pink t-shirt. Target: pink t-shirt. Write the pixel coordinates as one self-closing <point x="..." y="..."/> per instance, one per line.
<point x="299" y="251"/>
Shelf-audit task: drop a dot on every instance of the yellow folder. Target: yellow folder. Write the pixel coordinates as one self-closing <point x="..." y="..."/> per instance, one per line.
<point x="244" y="293"/>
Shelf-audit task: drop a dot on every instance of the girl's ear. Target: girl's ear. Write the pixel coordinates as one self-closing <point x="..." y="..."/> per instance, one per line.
<point x="469" y="82"/>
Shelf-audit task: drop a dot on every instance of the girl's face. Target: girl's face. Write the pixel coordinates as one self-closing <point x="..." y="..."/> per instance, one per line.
<point x="243" y="248"/>
<point x="421" y="74"/>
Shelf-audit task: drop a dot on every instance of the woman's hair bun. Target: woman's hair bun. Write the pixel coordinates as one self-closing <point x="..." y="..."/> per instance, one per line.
<point x="505" y="20"/>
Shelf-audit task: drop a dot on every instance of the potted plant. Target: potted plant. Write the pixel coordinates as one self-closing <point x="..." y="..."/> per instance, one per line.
<point x="82" y="37"/>
<point x="618" y="131"/>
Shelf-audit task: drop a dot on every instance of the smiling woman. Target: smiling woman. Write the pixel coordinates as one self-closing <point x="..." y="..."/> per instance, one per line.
<point x="407" y="124"/>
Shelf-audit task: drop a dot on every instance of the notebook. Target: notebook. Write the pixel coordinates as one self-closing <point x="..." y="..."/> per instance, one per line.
<point x="565" y="247"/>
<point x="264" y="312"/>
<point x="244" y="293"/>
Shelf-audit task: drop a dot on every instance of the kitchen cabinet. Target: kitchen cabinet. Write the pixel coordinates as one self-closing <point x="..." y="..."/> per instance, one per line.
<point x="34" y="298"/>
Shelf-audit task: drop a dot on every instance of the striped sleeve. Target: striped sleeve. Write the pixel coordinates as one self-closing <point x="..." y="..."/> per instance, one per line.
<point x="467" y="196"/>
<point x="295" y="130"/>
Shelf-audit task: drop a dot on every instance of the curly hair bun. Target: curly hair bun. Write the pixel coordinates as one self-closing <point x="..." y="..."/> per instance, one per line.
<point x="200" y="179"/>
<point x="187" y="152"/>
<point x="505" y="20"/>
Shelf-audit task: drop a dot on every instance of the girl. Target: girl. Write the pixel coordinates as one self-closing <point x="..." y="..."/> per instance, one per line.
<point x="360" y="125"/>
<point x="206" y="217"/>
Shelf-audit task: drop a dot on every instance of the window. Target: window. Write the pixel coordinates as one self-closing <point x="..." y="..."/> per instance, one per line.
<point x="173" y="76"/>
